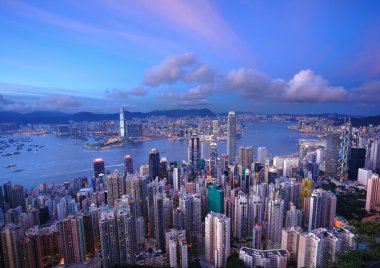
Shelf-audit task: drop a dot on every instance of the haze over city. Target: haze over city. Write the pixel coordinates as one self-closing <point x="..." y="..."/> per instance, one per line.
<point x="255" y="56"/>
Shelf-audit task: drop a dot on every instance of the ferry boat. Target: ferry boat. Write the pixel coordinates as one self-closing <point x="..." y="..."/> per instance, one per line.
<point x="10" y="165"/>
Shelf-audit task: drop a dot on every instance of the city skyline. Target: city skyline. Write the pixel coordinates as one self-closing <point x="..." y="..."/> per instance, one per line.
<point x="272" y="58"/>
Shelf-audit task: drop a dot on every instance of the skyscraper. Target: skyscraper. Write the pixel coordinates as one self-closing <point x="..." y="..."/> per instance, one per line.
<point x="322" y="209"/>
<point x="356" y="161"/>
<point x="262" y="155"/>
<point x="128" y="164"/>
<point x="245" y="156"/>
<point x="71" y="231"/>
<point x="99" y="167"/>
<point x="241" y="216"/>
<point x="213" y="159"/>
<point x="122" y="123"/>
<point x="231" y="136"/>
<point x="194" y="151"/>
<point x="332" y="154"/>
<point x="154" y="164"/>
<point x="10" y="239"/>
<point x="163" y="170"/>
<point x="275" y="223"/>
<point x="217" y="238"/>
<point x="374" y="161"/>
<point x="115" y="187"/>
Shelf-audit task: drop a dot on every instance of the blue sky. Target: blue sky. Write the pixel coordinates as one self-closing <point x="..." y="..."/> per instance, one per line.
<point x="257" y="56"/>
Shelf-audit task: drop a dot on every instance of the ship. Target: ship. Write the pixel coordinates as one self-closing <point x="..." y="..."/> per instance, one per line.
<point x="10" y="165"/>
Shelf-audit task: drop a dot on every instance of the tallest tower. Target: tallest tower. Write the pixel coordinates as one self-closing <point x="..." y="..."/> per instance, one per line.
<point x="122" y="123"/>
<point x="231" y="136"/>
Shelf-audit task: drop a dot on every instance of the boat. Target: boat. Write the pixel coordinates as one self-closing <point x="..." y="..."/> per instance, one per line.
<point x="10" y="165"/>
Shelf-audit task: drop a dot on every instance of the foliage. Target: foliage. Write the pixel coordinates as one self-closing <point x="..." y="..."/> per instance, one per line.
<point x="233" y="261"/>
<point x="351" y="206"/>
<point x="368" y="233"/>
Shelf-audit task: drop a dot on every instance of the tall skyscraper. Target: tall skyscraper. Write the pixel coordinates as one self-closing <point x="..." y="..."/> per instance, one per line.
<point x="176" y="248"/>
<point x="215" y="127"/>
<point x="344" y="149"/>
<point x="373" y="194"/>
<point x="241" y="216"/>
<point x="217" y="238"/>
<point x="99" y="167"/>
<point x="231" y="136"/>
<point x="194" y="152"/>
<point x="290" y="241"/>
<point x="356" y="161"/>
<point x="128" y="164"/>
<point x="213" y="159"/>
<point x="215" y="198"/>
<point x="262" y="155"/>
<point x="163" y="170"/>
<point x="122" y="123"/>
<point x="257" y="236"/>
<point x="154" y="164"/>
<point x="275" y="223"/>
<point x="374" y="161"/>
<point x="245" y="156"/>
<point x="332" y="154"/>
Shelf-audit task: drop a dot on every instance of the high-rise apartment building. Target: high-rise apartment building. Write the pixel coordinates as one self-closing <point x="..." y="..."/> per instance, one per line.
<point x="231" y="136"/>
<point x="217" y="238"/>
<point x="322" y="209"/>
<point x="241" y="216"/>
<point x="115" y="187"/>
<point x="373" y="194"/>
<point x="11" y="236"/>
<point x="71" y="231"/>
<point x="275" y="223"/>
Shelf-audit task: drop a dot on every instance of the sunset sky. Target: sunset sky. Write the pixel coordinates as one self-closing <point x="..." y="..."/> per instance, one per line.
<point x="255" y="56"/>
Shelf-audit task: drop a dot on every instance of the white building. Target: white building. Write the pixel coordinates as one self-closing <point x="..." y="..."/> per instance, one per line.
<point x="363" y="176"/>
<point x="277" y="258"/>
<point x="217" y="238"/>
<point x="275" y="223"/>
<point x="262" y="155"/>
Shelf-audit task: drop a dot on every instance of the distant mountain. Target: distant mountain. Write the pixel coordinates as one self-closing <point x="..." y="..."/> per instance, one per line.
<point x="45" y="117"/>
<point x="365" y="121"/>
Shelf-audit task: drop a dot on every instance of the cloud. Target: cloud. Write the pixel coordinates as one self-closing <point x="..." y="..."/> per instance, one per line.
<point x="61" y="101"/>
<point x="123" y="94"/>
<point x="204" y="80"/>
<point x="139" y="91"/>
<point x="170" y="70"/>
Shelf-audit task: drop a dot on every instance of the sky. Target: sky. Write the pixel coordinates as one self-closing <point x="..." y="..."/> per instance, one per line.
<point x="251" y="56"/>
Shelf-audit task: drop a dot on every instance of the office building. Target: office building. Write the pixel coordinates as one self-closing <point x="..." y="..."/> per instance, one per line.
<point x="374" y="160"/>
<point x="215" y="198"/>
<point x="99" y="167"/>
<point x="363" y="176"/>
<point x="213" y="159"/>
<point x="245" y="156"/>
<point x="356" y="161"/>
<point x="332" y="154"/>
<point x="217" y="238"/>
<point x="373" y="194"/>
<point x="194" y="153"/>
<point x="122" y="123"/>
<point x="154" y="164"/>
<point x="262" y="155"/>
<point x="264" y="258"/>
<point x="128" y="164"/>
<point x="231" y="137"/>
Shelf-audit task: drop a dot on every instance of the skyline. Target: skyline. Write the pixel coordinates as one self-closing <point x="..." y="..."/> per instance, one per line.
<point x="259" y="57"/>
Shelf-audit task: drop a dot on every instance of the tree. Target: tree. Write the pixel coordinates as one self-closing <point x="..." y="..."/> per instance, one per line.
<point x="233" y="261"/>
